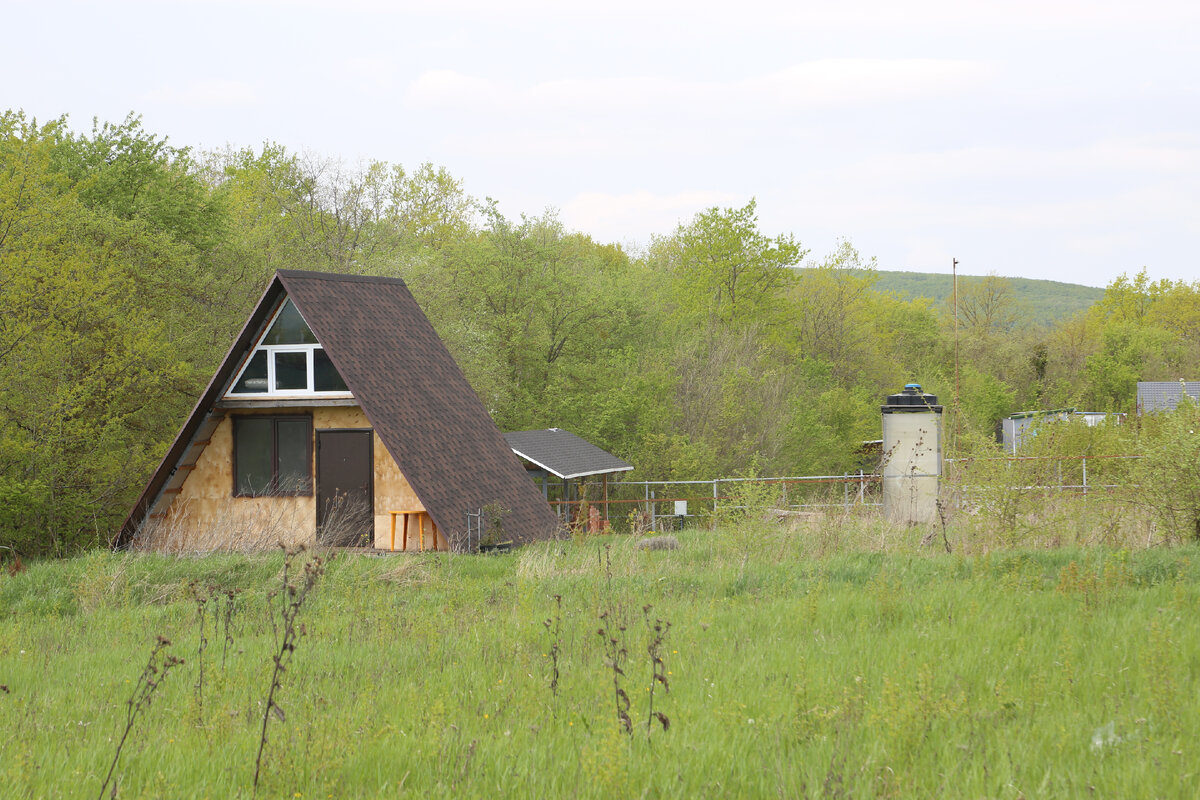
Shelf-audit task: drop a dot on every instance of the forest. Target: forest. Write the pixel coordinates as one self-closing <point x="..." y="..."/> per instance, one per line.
<point x="128" y="263"/>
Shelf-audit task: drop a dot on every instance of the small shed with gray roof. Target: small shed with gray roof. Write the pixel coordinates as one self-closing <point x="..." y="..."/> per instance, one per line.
<point x="557" y="454"/>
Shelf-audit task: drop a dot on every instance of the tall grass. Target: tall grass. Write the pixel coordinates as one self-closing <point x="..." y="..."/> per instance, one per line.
<point x="836" y="659"/>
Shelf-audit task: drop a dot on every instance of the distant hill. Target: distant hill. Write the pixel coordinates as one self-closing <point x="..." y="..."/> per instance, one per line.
<point x="1045" y="301"/>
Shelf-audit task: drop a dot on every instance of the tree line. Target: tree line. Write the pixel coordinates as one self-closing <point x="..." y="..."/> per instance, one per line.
<point x="128" y="264"/>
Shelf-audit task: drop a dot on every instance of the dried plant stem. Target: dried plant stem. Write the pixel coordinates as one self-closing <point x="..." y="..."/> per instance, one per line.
<point x="293" y="597"/>
<point x="941" y="510"/>
<point x="201" y="596"/>
<point x="554" y="628"/>
<point x="612" y="633"/>
<point x="152" y="677"/>
<point x="227" y="617"/>
<point x="657" y="631"/>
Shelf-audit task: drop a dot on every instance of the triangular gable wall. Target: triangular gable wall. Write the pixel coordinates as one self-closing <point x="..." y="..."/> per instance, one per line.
<point x="408" y="386"/>
<point x="286" y="335"/>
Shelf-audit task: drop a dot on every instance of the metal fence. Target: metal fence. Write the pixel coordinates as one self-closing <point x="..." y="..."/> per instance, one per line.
<point x="663" y="505"/>
<point x="1062" y="474"/>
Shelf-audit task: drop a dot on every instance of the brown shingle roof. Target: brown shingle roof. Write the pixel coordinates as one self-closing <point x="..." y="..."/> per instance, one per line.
<point x="408" y="385"/>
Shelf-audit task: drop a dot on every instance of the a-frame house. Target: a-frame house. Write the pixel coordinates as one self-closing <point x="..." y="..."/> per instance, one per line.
<point x="338" y="416"/>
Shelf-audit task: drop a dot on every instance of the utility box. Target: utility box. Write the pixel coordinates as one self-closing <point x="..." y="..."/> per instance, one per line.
<point x="912" y="456"/>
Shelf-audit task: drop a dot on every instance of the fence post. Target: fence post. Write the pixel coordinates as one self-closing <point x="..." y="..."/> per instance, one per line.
<point x="653" y="515"/>
<point x="714" y="497"/>
<point x="845" y="493"/>
<point x="1085" y="476"/>
<point x="862" y="499"/>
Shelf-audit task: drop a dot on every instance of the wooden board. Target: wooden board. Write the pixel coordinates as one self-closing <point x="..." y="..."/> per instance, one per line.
<point x="204" y="514"/>
<point x="392" y="489"/>
<point x="394" y="493"/>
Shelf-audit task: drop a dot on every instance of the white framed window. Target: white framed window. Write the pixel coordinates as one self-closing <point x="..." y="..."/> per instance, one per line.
<point x="288" y="361"/>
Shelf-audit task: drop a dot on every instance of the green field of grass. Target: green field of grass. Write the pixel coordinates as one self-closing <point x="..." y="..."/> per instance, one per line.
<point x="792" y="672"/>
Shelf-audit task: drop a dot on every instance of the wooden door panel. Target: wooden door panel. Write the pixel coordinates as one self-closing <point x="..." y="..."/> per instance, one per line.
<point x="345" y="488"/>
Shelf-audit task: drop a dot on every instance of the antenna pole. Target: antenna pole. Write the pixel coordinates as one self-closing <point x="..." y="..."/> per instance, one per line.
<point x="954" y="272"/>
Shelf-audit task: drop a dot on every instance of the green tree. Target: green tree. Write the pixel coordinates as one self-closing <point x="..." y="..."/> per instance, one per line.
<point x="540" y="303"/>
<point x="727" y="270"/>
<point x="103" y="340"/>
<point x="1167" y="475"/>
<point x="987" y="306"/>
<point x="832" y="309"/>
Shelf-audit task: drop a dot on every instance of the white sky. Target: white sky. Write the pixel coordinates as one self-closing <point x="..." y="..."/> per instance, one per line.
<point x="1051" y="139"/>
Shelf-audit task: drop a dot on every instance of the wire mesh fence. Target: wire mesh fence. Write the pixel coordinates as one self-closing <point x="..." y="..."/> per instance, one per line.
<point x="666" y="505"/>
<point x="661" y="505"/>
<point x="1063" y="474"/>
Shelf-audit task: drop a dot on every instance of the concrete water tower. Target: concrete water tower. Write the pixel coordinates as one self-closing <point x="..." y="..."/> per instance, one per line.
<point x="912" y="455"/>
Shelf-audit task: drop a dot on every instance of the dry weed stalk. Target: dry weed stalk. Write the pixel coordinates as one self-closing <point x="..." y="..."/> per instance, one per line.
<point x="152" y="677"/>
<point x="230" y="596"/>
<point x="554" y="629"/>
<point x="15" y="565"/>
<point x="200" y="596"/>
<point x="658" y="668"/>
<point x="292" y="599"/>
<point x="942" y="514"/>
<point x="612" y="633"/>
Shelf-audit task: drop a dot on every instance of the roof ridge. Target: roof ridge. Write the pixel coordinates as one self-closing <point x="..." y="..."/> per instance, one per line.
<point x="338" y="277"/>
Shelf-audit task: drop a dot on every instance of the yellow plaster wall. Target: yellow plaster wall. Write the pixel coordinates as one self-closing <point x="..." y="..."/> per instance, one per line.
<point x="205" y="515"/>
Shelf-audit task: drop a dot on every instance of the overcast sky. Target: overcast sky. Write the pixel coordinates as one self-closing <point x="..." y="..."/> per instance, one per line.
<point x="1051" y="139"/>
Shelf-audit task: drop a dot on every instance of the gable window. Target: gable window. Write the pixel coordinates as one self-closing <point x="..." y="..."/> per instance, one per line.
<point x="272" y="455"/>
<point x="288" y="362"/>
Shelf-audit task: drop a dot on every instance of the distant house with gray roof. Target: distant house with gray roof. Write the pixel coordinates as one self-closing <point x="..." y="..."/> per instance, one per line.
<point x="1164" y="395"/>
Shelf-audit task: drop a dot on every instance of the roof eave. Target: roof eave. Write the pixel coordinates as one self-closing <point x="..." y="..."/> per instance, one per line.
<point x="572" y="475"/>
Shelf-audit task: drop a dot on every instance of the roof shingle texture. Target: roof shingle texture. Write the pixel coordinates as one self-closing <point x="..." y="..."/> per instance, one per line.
<point x="563" y="453"/>
<point x="419" y="402"/>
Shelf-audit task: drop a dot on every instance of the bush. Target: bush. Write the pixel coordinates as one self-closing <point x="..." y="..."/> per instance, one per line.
<point x="1167" y="477"/>
<point x="22" y="506"/>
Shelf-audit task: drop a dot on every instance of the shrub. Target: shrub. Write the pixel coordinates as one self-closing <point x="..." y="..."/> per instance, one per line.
<point x="1167" y="477"/>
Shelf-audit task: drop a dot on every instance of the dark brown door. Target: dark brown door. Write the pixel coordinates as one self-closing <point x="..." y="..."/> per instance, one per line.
<point x="345" y="500"/>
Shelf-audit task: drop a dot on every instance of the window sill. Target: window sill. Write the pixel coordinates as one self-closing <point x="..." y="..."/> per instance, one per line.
<point x="288" y="402"/>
